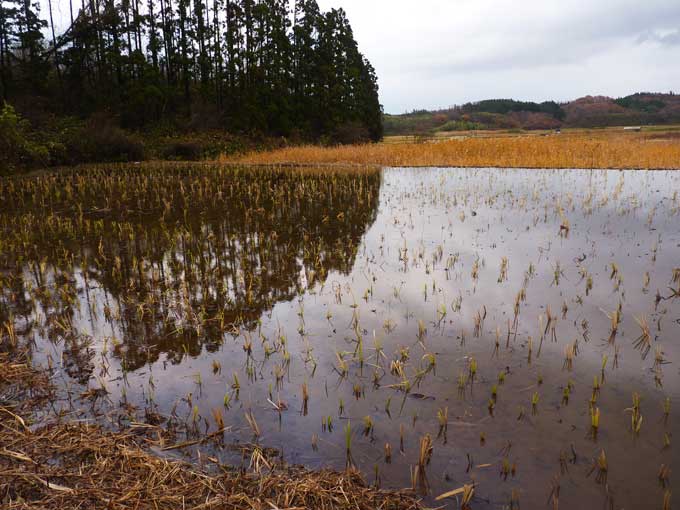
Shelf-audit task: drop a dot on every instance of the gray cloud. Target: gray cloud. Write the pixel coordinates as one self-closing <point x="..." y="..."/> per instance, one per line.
<point x="435" y="53"/>
<point x="670" y="38"/>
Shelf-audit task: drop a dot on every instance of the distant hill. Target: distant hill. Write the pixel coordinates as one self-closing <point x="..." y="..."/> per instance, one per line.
<point x="591" y="111"/>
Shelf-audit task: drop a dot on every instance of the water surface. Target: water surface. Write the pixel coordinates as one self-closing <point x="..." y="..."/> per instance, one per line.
<point x="381" y="292"/>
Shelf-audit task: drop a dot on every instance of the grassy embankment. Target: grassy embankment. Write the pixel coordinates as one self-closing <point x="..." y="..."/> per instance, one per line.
<point x="607" y="148"/>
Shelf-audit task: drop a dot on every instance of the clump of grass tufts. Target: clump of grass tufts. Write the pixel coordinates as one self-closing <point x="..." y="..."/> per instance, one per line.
<point x="506" y="468"/>
<point x="349" y="463"/>
<point x="602" y="467"/>
<point x="643" y="343"/>
<point x="402" y="432"/>
<point x="424" y="456"/>
<point x="441" y="313"/>
<point x="659" y="359"/>
<point x="615" y="320"/>
<point x="520" y="416"/>
<point x="666" y="441"/>
<point x="564" y="226"/>
<point x="462" y="383"/>
<point x="594" y="421"/>
<point x="422" y="331"/>
<point x="195" y="416"/>
<point x="397" y="368"/>
<point x="666" y="500"/>
<point x="514" y="499"/>
<point x="468" y="493"/>
<point x="305" y="398"/>
<point x="554" y="497"/>
<point x="258" y="461"/>
<point x="343" y="368"/>
<point x="472" y="369"/>
<point x="636" y="416"/>
<point x="219" y="420"/>
<point x="216" y="367"/>
<point x="250" y="418"/>
<point x="534" y="403"/>
<point x="10" y="333"/>
<point x="566" y="393"/>
<point x="503" y="276"/>
<point x="569" y="352"/>
<point x="597" y="384"/>
<point x="664" y="475"/>
<point x="430" y="362"/>
<point x="479" y="317"/>
<point x="443" y="419"/>
<point x="530" y="348"/>
<point x="236" y="386"/>
<point x="368" y="427"/>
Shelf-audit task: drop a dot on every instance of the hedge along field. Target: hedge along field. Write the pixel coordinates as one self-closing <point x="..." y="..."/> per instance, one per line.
<point x="581" y="150"/>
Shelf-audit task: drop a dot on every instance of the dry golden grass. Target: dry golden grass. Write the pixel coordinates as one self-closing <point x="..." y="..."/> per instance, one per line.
<point x="606" y="149"/>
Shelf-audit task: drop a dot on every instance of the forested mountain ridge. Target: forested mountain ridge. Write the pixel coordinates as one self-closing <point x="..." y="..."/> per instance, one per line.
<point x="587" y="112"/>
<point x="244" y="66"/>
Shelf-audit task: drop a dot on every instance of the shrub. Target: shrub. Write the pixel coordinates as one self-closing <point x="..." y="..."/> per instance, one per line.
<point x="17" y="151"/>
<point x="183" y="150"/>
<point x="193" y="146"/>
<point x="350" y="133"/>
<point x="100" y="140"/>
<point x="460" y="125"/>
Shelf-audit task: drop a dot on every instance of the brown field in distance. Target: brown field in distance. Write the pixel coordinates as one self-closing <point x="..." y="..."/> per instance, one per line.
<point x="652" y="148"/>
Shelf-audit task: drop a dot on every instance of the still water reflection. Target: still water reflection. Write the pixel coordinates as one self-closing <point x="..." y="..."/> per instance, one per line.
<point x="496" y="310"/>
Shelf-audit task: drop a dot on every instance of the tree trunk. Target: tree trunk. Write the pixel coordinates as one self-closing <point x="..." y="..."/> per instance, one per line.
<point x="54" y="45"/>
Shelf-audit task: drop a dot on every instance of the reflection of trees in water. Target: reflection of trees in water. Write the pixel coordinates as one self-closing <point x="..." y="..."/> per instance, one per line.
<point x="174" y="258"/>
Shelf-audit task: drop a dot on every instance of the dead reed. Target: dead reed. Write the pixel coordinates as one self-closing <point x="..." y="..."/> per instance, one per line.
<point x="98" y="469"/>
<point x="608" y="150"/>
<point x="419" y="475"/>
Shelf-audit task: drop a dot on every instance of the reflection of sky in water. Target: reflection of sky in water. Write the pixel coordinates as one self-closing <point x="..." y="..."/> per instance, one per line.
<point x="509" y="214"/>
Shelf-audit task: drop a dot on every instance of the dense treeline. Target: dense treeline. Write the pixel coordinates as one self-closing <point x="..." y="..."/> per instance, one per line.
<point x="504" y="106"/>
<point x="643" y="108"/>
<point x="261" y="66"/>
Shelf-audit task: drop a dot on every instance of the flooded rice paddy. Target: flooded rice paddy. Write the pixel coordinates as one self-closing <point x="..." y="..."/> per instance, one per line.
<point x="518" y="330"/>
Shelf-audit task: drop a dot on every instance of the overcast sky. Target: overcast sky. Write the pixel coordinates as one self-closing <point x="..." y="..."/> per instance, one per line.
<point x="436" y="53"/>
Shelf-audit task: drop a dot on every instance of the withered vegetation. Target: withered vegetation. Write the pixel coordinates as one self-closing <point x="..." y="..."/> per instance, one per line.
<point x="64" y="464"/>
